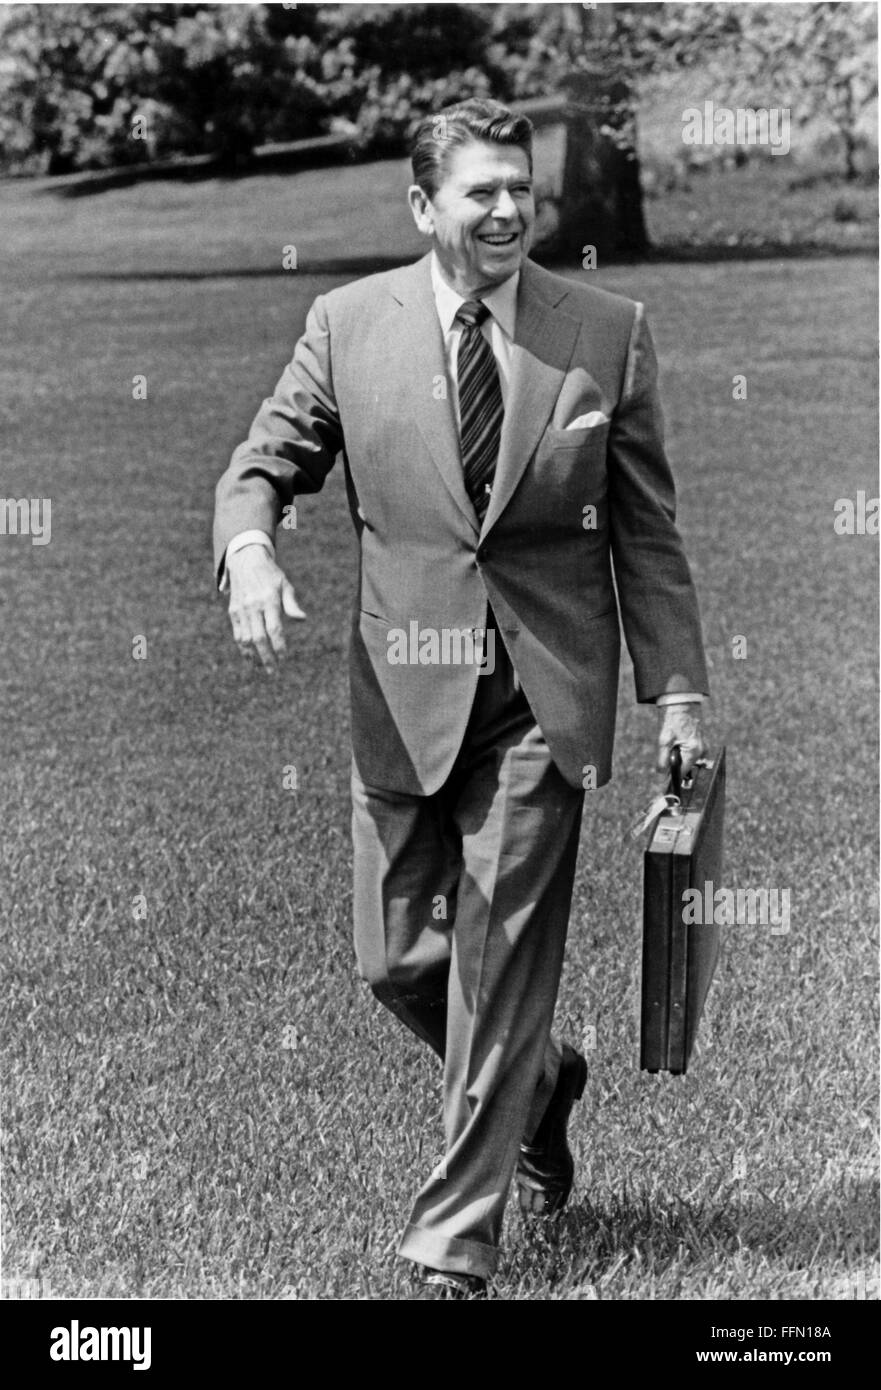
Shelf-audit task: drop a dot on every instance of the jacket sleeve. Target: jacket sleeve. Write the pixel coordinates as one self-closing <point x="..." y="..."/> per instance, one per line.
<point x="292" y="445"/>
<point x="656" y="595"/>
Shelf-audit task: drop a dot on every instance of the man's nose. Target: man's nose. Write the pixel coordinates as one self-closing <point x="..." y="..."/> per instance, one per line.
<point x="504" y="208"/>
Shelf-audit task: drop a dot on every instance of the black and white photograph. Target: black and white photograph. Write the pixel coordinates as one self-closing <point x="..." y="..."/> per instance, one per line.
<point x="439" y="662"/>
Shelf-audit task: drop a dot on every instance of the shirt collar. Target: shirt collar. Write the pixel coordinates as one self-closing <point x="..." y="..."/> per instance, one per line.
<point x="501" y="300"/>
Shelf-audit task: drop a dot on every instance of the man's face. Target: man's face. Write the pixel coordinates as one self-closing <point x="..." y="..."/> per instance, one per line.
<point x="482" y="217"/>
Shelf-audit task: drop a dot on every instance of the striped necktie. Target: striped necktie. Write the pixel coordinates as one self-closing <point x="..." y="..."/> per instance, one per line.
<point x="480" y="405"/>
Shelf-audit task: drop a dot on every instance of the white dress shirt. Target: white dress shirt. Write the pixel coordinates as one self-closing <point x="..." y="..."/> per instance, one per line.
<point x="497" y="328"/>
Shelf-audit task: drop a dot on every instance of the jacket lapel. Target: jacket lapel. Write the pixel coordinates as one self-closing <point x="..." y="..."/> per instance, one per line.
<point x="423" y="367"/>
<point x="544" y="340"/>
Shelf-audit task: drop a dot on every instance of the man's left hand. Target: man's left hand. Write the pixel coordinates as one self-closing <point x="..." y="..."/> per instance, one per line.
<point x="680" y="724"/>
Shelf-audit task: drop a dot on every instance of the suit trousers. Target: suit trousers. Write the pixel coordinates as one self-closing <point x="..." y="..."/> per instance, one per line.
<point x="461" y="908"/>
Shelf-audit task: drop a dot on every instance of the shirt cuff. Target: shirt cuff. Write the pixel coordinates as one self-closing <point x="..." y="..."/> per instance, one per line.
<point x="238" y="543"/>
<point x="686" y="697"/>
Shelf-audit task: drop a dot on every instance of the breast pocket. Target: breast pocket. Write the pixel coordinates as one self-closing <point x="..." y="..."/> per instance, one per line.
<point x="591" y="438"/>
<point x="570" y="480"/>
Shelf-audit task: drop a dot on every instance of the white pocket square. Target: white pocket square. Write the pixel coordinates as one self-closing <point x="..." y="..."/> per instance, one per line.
<point x="585" y="422"/>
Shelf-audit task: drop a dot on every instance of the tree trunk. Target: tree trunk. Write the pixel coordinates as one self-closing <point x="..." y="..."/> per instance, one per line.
<point x="850" y="150"/>
<point x="601" y="202"/>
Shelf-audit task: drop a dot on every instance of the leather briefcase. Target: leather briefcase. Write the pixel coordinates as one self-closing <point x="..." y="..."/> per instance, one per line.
<point x="678" y="956"/>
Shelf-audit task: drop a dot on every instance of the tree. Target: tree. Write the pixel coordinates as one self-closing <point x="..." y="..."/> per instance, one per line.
<point x="816" y="59"/>
<point x="819" y="60"/>
<point x="77" y="77"/>
<point x="220" y="78"/>
<point x="601" y="201"/>
<point x="55" y="98"/>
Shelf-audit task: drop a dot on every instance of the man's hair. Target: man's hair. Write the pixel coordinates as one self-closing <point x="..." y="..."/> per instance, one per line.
<point x="437" y="135"/>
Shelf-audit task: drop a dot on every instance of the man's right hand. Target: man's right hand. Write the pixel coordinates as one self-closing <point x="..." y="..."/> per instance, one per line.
<point x="260" y="592"/>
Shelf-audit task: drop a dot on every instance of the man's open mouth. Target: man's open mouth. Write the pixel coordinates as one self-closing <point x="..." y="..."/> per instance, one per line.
<point x="498" y="238"/>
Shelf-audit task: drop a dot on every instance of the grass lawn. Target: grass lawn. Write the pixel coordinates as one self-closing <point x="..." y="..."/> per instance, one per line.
<point x="201" y="1098"/>
<point x="764" y="209"/>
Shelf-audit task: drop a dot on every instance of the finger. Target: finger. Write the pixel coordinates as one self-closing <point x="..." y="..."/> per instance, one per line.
<point x="692" y="748"/>
<point x="260" y="641"/>
<point x="274" y="630"/>
<point x="272" y="623"/>
<point x="238" y="624"/>
<point x="690" y="756"/>
<point x="241" y="632"/>
<point x="289" y="601"/>
<point x="666" y="740"/>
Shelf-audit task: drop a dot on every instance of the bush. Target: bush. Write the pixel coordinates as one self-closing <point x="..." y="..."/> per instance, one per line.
<point x="84" y="82"/>
<point x="92" y="85"/>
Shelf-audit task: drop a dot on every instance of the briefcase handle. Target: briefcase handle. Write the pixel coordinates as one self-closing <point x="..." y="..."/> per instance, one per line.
<point x="677" y="781"/>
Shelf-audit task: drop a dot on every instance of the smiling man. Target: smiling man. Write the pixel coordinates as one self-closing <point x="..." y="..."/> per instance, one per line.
<point x="501" y="436"/>
<point x="475" y="200"/>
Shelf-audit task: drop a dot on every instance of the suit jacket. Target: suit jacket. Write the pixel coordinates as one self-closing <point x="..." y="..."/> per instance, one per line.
<point x="367" y="382"/>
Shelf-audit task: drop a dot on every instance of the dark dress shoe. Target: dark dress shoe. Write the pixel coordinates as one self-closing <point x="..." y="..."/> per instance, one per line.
<point x="440" y="1283"/>
<point x="546" y="1168"/>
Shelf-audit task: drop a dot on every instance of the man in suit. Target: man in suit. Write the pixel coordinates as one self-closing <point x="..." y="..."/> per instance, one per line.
<point x="501" y="437"/>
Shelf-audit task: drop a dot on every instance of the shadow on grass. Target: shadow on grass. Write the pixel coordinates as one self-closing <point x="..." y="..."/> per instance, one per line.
<point x="371" y="264"/>
<point x="688" y="252"/>
<point x="339" y="265"/>
<point x="322" y="152"/>
<point x="767" y="251"/>
<point x="591" y="1241"/>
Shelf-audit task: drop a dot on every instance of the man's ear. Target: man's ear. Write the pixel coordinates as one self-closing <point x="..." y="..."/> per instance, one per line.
<point x="420" y="206"/>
